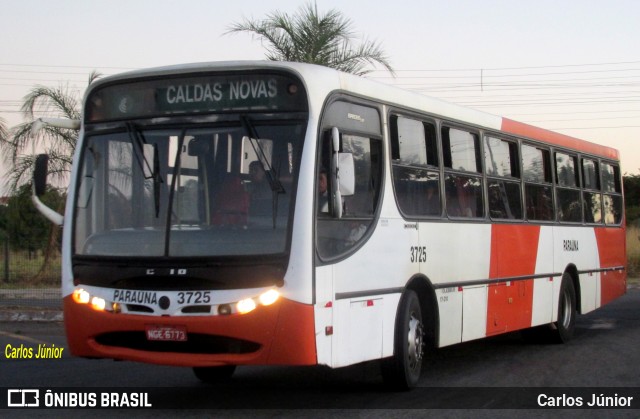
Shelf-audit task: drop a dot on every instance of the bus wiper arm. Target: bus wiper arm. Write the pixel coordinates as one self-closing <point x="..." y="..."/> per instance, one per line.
<point x="137" y="144"/>
<point x="274" y="183"/>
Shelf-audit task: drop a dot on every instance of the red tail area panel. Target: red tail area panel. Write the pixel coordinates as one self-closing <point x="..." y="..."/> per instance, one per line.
<point x="513" y="254"/>
<point x="611" y="248"/>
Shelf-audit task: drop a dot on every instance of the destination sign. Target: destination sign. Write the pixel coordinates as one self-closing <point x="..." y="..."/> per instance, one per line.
<point x="196" y="95"/>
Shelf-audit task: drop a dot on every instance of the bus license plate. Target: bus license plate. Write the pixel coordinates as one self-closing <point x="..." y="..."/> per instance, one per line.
<point x="166" y="333"/>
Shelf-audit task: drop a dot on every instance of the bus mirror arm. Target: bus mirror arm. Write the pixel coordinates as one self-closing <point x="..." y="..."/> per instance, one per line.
<point x="39" y="188"/>
<point x="335" y="139"/>
<point x="40" y="123"/>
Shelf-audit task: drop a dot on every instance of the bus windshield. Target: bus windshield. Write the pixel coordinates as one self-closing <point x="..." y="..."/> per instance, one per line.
<point x="188" y="190"/>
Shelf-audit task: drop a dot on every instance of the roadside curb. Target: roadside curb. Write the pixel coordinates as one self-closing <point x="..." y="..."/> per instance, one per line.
<point x="18" y="315"/>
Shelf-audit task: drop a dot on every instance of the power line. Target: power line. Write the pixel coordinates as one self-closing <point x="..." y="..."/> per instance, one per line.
<point x="588" y="128"/>
<point x="490" y="76"/>
<point x="516" y="68"/>
<point x="586" y="119"/>
<point x="517" y="87"/>
<point x="65" y="66"/>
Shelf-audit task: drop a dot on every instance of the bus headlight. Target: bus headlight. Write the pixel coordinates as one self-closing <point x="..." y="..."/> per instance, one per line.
<point x="81" y="296"/>
<point x="245" y="306"/>
<point x="269" y="297"/>
<point x="98" y="303"/>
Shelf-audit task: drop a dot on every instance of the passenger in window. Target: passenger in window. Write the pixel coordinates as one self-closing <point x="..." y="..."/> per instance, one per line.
<point x="432" y="202"/>
<point x="496" y="203"/>
<point x="458" y="199"/>
<point x="456" y="209"/>
<point x="323" y="193"/>
<point x="259" y="185"/>
<point x="259" y="190"/>
<point x="231" y="203"/>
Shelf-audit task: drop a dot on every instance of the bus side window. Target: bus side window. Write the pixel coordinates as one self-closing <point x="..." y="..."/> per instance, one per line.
<point x="415" y="166"/>
<point x="536" y="172"/>
<point x="567" y="192"/>
<point x="503" y="169"/>
<point x="592" y="197"/>
<point x="612" y="189"/>
<point x="463" y="184"/>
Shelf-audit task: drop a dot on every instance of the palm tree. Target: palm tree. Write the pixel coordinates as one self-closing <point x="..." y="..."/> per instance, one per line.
<point x="313" y="38"/>
<point x="19" y="144"/>
<point x="3" y="130"/>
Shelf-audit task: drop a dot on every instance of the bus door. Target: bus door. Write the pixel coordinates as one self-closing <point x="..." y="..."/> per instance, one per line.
<point x="349" y="264"/>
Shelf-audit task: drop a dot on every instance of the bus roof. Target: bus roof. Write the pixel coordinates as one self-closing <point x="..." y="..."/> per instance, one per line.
<point x="321" y="81"/>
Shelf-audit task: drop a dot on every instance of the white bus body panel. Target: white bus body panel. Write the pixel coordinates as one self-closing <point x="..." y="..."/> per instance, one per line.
<point x="578" y="246"/>
<point x="458" y="252"/>
<point x="545" y="290"/>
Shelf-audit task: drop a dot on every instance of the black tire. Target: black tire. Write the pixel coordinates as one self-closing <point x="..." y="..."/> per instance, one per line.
<point x="402" y="370"/>
<point x="564" y="327"/>
<point x="214" y="375"/>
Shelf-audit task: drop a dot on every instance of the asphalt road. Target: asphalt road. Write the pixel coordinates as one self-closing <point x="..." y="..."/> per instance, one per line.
<point x="492" y="373"/>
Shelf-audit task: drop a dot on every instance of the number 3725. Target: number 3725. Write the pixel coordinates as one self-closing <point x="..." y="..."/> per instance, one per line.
<point x="418" y="254"/>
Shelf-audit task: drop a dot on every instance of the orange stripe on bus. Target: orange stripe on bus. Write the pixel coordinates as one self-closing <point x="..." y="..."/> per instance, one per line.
<point x="555" y="138"/>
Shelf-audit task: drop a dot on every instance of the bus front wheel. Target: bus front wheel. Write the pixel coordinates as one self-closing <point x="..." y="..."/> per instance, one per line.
<point x="214" y="374"/>
<point x="402" y="370"/>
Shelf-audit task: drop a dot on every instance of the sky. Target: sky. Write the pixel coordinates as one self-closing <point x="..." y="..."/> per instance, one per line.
<point x="572" y="66"/>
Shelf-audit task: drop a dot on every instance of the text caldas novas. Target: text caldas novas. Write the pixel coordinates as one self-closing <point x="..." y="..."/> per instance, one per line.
<point x="218" y="91"/>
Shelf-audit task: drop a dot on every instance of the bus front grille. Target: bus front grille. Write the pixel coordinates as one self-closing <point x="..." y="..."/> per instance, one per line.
<point x="196" y="343"/>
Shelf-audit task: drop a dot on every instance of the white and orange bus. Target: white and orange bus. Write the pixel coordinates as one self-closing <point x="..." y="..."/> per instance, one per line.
<point x="249" y="213"/>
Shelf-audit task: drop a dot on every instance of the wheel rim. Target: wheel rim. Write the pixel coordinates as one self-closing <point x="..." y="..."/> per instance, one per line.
<point x="566" y="309"/>
<point x="416" y="342"/>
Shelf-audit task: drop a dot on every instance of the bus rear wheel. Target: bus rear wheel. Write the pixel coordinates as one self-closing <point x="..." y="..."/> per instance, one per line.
<point x="565" y="325"/>
<point x="402" y="370"/>
<point x="214" y="375"/>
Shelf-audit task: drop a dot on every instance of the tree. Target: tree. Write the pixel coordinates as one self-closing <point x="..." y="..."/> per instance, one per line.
<point x="4" y="133"/>
<point x="309" y="37"/>
<point x="3" y="129"/>
<point x="19" y="145"/>
<point x="25" y="227"/>
<point x="631" y="185"/>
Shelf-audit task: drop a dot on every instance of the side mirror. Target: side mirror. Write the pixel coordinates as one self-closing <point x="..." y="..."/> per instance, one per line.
<point x="342" y="174"/>
<point x="346" y="174"/>
<point x="40" y="172"/>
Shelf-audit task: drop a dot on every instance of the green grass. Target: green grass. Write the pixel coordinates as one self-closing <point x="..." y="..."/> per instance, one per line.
<point x="27" y="271"/>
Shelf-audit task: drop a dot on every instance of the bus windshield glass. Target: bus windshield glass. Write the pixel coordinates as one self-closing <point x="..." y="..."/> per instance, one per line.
<point x="188" y="190"/>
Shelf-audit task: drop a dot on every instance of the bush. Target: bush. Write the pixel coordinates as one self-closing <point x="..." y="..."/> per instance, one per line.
<point x="633" y="251"/>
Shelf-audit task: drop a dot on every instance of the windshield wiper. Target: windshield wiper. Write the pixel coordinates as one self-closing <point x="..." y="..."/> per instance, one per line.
<point x="272" y="176"/>
<point x="274" y="182"/>
<point x="137" y="143"/>
<point x="177" y="165"/>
